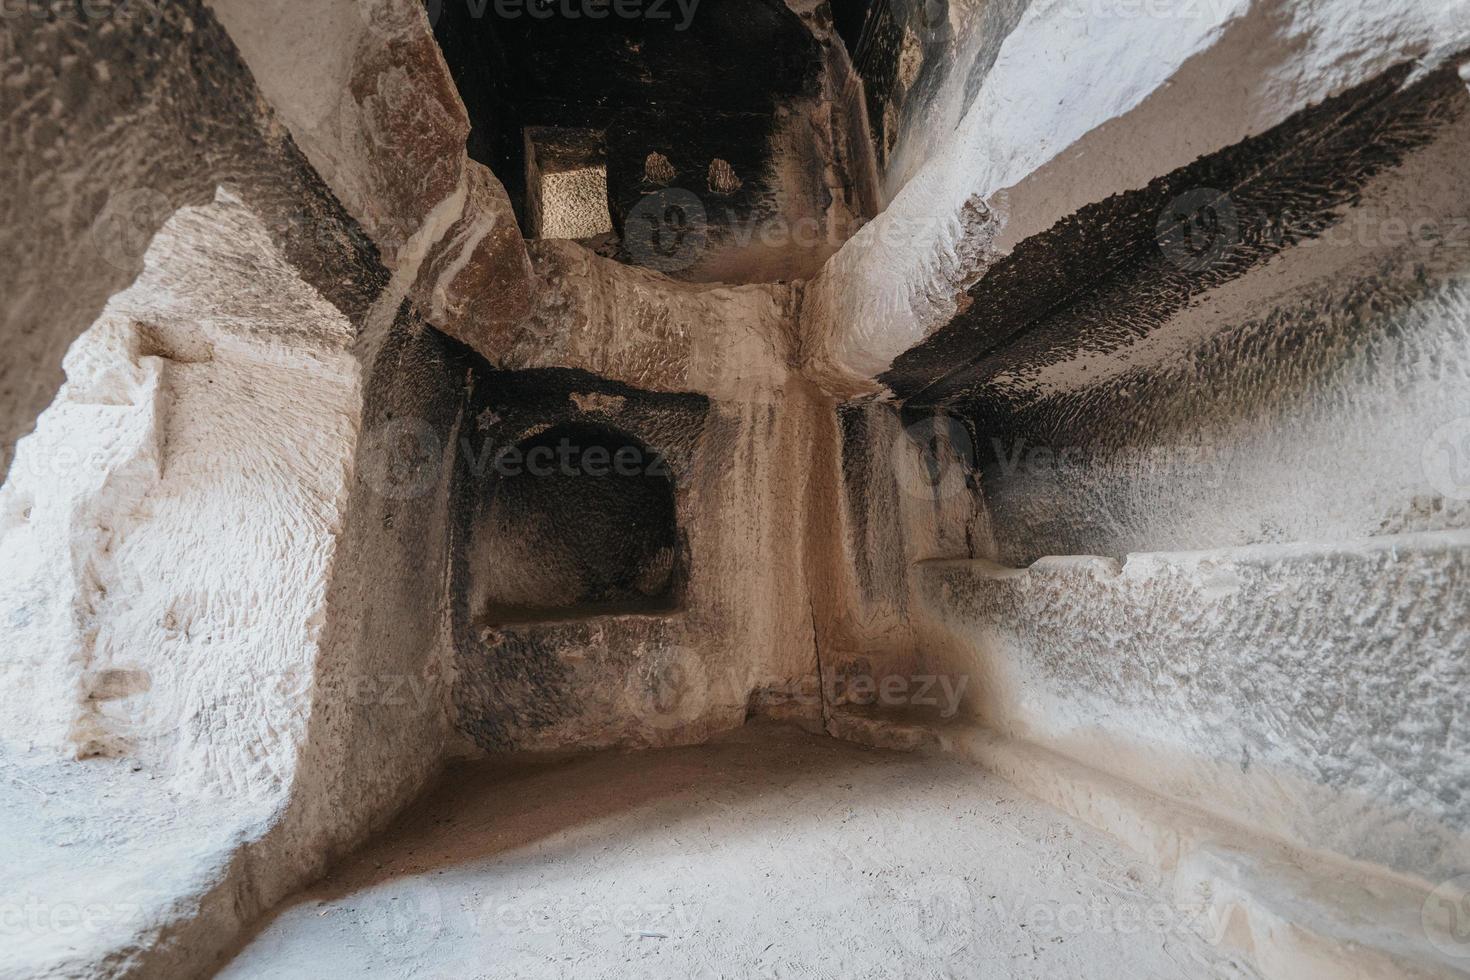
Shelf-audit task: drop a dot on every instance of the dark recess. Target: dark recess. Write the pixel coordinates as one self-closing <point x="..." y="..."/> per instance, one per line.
<point x="711" y="90"/>
<point x="508" y="657"/>
<point x="850" y="17"/>
<point x="607" y="527"/>
<point x="611" y="538"/>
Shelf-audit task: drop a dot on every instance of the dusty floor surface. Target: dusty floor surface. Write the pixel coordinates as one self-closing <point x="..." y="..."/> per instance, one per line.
<point x="94" y="854"/>
<point x="770" y="853"/>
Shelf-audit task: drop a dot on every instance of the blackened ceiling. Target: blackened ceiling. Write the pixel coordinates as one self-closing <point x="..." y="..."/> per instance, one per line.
<point x="694" y="83"/>
<point x="850" y="18"/>
<point x="731" y="56"/>
<point x="1105" y="276"/>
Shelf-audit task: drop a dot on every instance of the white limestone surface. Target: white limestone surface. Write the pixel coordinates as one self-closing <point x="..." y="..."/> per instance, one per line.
<point x="1311" y="692"/>
<point x="1126" y="94"/>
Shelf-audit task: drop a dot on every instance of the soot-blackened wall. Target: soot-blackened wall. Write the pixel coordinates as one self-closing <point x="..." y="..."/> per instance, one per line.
<point x="569" y="508"/>
<point x="755" y="181"/>
<point x="1281" y="384"/>
<point x="576" y="519"/>
<point x="570" y="496"/>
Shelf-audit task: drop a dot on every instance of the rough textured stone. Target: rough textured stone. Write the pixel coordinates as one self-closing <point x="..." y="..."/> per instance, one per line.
<point x="363" y="90"/>
<point x="1309" y="691"/>
<point x="115" y="123"/>
<point x="772" y="116"/>
<point x="291" y="587"/>
<point x="641" y="328"/>
<point x="1298" y="401"/>
<point x="477" y="280"/>
<point x="1153" y="93"/>
<point x="177" y="424"/>
<point x="872" y="847"/>
<point x="157" y="616"/>
<point x="739" y="638"/>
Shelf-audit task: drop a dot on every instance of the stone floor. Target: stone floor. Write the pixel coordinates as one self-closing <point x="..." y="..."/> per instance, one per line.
<point x="769" y="853"/>
<point x="99" y="856"/>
